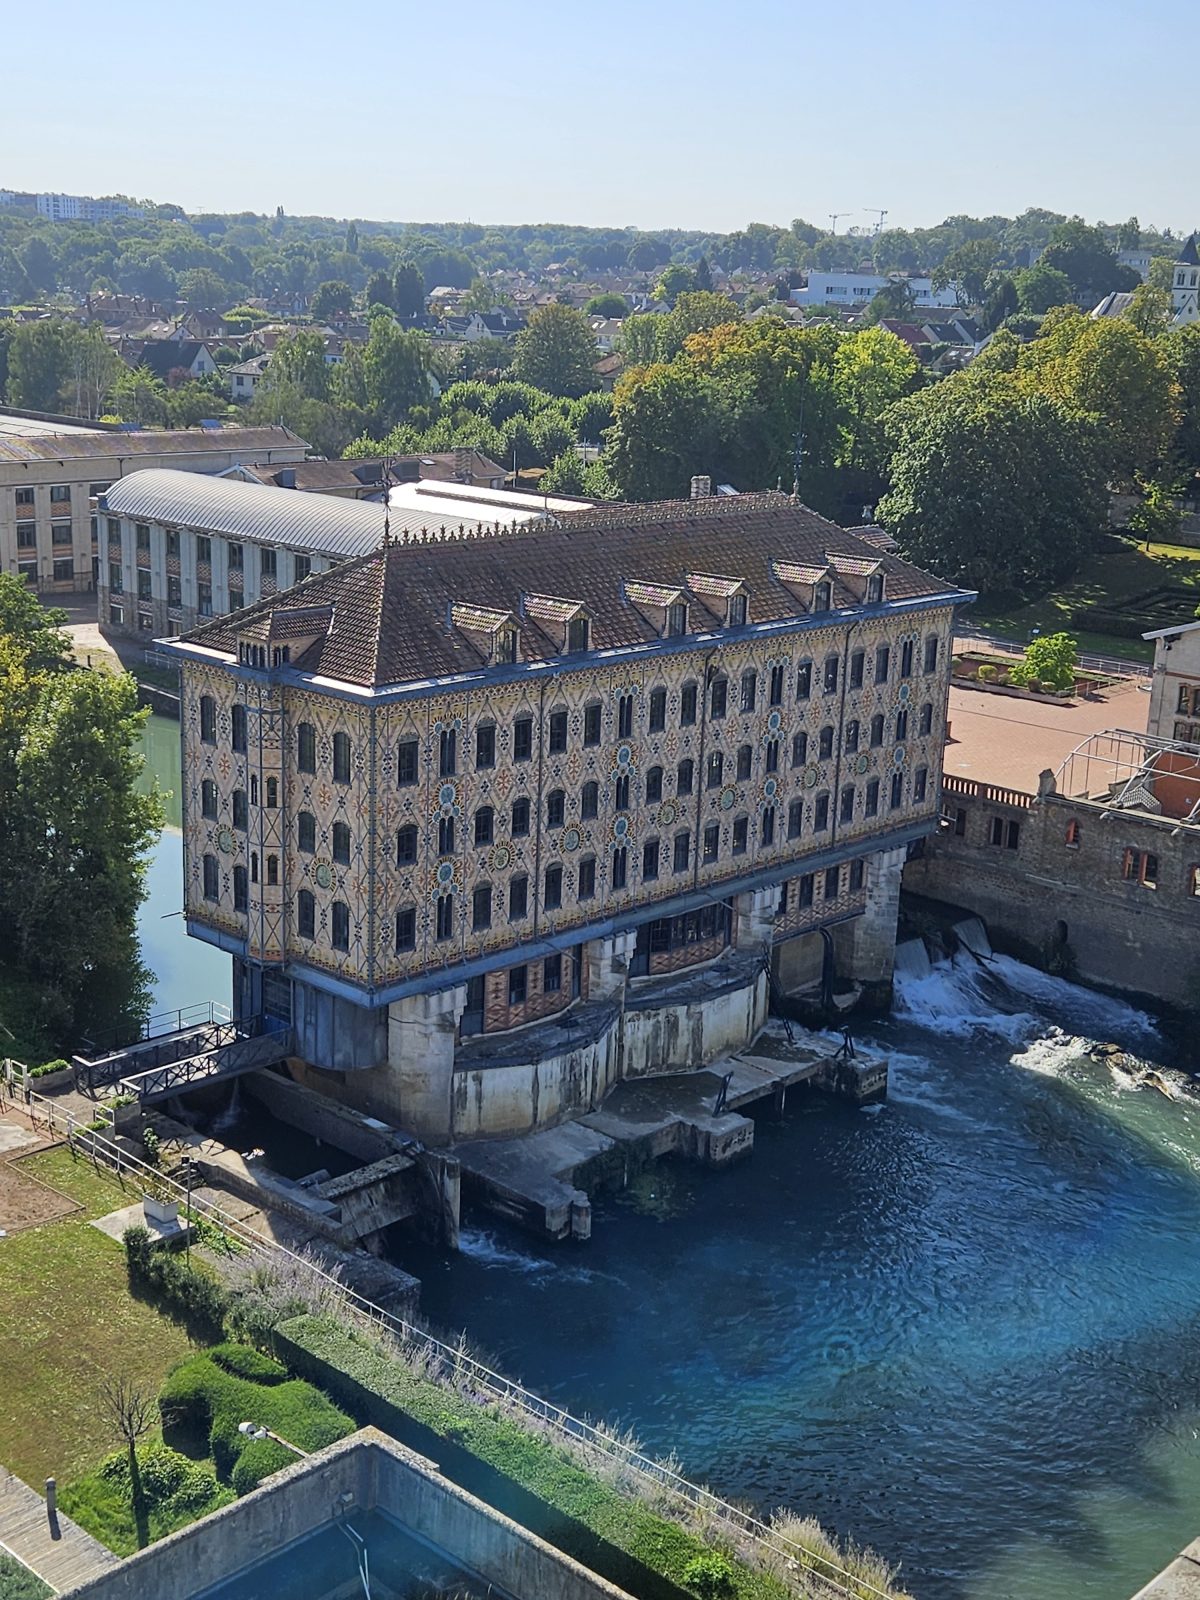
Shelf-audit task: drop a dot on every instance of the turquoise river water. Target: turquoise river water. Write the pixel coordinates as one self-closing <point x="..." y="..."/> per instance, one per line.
<point x="963" y="1328"/>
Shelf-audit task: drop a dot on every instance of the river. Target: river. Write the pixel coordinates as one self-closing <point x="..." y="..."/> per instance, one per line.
<point x="963" y="1328"/>
<point x="186" y="971"/>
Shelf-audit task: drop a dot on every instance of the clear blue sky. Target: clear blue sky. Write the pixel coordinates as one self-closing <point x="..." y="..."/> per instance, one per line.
<point x="702" y="114"/>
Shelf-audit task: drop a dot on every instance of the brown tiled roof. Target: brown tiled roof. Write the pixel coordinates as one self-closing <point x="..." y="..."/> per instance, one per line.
<point x="857" y="566"/>
<point x="391" y="609"/>
<point x="652" y="594"/>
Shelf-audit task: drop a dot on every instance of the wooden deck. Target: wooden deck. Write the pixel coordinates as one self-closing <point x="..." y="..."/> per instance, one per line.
<point x="65" y="1557"/>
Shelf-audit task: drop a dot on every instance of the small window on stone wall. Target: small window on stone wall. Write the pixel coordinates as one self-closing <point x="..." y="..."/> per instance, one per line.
<point x="1073" y="835"/>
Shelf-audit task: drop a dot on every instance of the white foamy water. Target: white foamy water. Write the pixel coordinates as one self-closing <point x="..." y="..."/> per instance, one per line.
<point x="486" y="1249"/>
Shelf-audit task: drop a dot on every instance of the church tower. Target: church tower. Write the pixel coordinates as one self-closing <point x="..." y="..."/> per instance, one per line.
<point x="1185" y="286"/>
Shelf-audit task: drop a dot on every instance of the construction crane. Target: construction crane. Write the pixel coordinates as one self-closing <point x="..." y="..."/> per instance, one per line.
<point x="833" y="217"/>
<point x="880" y="212"/>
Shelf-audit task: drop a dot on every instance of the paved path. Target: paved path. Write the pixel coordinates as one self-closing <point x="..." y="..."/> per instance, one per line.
<point x="64" y="1556"/>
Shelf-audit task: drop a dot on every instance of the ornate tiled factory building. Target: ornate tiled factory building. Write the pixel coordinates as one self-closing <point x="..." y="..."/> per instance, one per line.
<point x="496" y="821"/>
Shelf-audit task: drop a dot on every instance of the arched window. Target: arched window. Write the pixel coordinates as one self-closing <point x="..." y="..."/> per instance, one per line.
<point x="901" y="725"/>
<point x="446" y="836"/>
<point x="306" y="832"/>
<point x="406" y="845"/>
<point x="212" y="878"/>
<point x="306" y="747"/>
<point x="876" y="730"/>
<point x="485" y="825"/>
<point x="685" y="777"/>
<point x="716" y="769"/>
<point x="238" y="728"/>
<point x="799" y="749"/>
<point x="341" y="843"/>
<point x="254" y="866"/>
<point x="825" y="745"/>
<point x="341" y="758"/>
<point x="745" y="761"/>
<point x="852" y="737"/>
<point x="556" y="808"/>
<point x="208" y="799"/>
<point x="897" y="795"/>
<point x="306" y="914"/>
<point x="622" y="793"/>
<point x="241" y="889"/>
<point x="589" y="800"/>
<point x="272" y="793"/>
<point x="657" y="719"/>
<point x="654" y="785"/>
<point x="749" y="690"/>
<point x="208" y="719"/>
<point x="926" y="723"/>
<point x="447" y="752"/>
<point x="339" y="925"/>
<point x="272" y="872"/>
<point x="804" y="680"/>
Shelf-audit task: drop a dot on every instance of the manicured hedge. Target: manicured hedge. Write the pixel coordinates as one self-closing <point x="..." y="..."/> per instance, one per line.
<point x="519" y="1472"/>
<point x="191" y="1293"/>
<point x="208" y="1395"/>
<point x="18" y="1583"/>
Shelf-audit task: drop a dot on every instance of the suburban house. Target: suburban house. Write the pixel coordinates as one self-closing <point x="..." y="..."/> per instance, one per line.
<point x="50" y="475"/>
<point x="492" y="822"/>
<point x="163" y="357"/>
<point x="855" y="289"/>
<point x="245" y="377"/>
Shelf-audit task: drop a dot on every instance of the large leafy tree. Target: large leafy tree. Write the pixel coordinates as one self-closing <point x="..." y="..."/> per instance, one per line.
<point x="1108" y="370"/>
<point x="556" y="352"/>
<point x="395" y="370"/>
<point x="39" y="365"/>
<point x="1090" y="265"/>
<point x="74" y="829"/>
<point x="992" y="485"/>
<point x="966" y="269"/>
<point x="1040" y="287"/>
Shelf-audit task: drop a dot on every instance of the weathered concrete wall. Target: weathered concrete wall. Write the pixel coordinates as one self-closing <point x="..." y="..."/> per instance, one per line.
<point x="668" y="1038"/>
<point x="1179" y="1581"/>
<point x="316" y="1114"/>
<point x="375" y="1473"/>
<point x="536" y="1094"/>
<point x="1045" y="891"/>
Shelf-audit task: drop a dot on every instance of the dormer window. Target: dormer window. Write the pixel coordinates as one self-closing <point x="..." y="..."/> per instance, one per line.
<point x="875" y="589"/>
<point x="738" y="610"/>
<point x="506" y="646"/>
<point x="493" y="633"/>
<point x="579" y="633"/>
<point x="677" y="619"/>
<point x="822" y="596"/>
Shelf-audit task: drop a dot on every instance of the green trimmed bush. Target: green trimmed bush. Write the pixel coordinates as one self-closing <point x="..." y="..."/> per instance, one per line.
<point x="986" y="673"/>
<point x="709" y="1576"/>
<point x="243" y="1361"/>
<point x="205" y="1398"/>
<point x="192" y="1293"/>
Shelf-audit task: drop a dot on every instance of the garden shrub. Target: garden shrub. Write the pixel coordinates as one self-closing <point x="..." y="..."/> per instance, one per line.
<point x="205" y="1397"/>
<point x="986" y="673"/>
<point x="171" y="1491"/>
<point x="191" y="1292"/>
<point x="710" y="1576"/>
<point x="258" y="1460"/>
<point x="47" y="1067"/>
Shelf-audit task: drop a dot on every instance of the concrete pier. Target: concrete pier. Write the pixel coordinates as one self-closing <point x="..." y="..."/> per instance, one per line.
<point x="539" y="1180"/>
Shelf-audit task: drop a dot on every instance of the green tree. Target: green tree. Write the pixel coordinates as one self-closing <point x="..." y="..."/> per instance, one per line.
<point x="39" y="264"/>
<point x="1156" y="520"/>
<point x="704" y="277"/>
<point x="1040" y="287"/>
<point x="39" y="365"/>
<point x="1129" y="235"/>
<point x="1149" y="310"/>
<point x="300" y="360"/>
<point x="991" y="485"/>
<point x="395" y="371"/>
<point x="1000" y="301"/>
<point x="1162" y="273"/>
<point x="331" y="297"/>
<point x="93" y="368"/>
<point x="408" y="290"/>
<point x="667" y="426"/>
<point x="138" y="396"/>
<point x="966" y="269"/>
<point x="675" y="280"/>
<point x="1083" y="254"/>
<point x="1183" y="346"/>
<point x="351" y="245"/>
<point x="379" y="290"/>
<point x="872" y="370"/>
<point x="895" y="301"/>
<point x="607" y="305"/>
<point x="204" y="290"/>
<point x="564" y="475"/>
<point x="74" y="831"/>
<point x="1051" y="659"/>
<point x="556" y="351"/>
<point x="693" y="312"/>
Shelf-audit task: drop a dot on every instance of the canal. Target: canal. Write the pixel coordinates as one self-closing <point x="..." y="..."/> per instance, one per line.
<point x="963" y="1328"/>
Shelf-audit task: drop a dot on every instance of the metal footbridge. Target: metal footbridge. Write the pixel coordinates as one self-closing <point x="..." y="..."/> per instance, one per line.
<point x="213" y="1047"/>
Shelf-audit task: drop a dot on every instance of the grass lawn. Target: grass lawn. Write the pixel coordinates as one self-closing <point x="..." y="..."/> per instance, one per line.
<point x="68" y="1318"/>
<point x="1108" y="580"/>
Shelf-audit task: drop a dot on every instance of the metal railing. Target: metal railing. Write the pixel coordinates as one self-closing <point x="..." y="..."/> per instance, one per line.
<point x="451" y="1363"/>
<point x="163" y="1022"/>
<point x="1107" y="666"/>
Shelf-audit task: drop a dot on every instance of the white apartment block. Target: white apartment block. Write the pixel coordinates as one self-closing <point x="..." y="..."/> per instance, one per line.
<point x="855" y="289"/>
<point x="83" y="208"/>
<point x="49" y="480"/>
